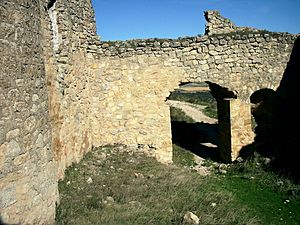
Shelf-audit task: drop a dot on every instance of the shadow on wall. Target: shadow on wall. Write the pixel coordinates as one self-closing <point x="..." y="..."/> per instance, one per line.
<point x="2" y="223"/>
<point x="263" y="112"/>
<point x="278" y="120"/>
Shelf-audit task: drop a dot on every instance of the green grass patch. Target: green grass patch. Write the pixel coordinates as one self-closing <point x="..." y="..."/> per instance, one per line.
<point x="273" y="199"/>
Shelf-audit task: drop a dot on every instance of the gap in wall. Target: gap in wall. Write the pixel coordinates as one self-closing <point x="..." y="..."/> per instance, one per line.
<point x="194" y="120"/>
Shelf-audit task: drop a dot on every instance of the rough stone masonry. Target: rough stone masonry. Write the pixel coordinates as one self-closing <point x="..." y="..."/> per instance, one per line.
<point x="63" y="91"/>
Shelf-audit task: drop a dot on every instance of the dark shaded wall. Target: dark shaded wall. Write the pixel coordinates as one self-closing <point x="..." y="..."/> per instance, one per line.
<point x="286" y="116"/>
<point x="278" y="121"/>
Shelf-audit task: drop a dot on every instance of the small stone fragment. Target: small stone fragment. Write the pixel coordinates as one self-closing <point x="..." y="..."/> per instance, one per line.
<point x="108" y="200"/>
<point x="191" y="218"/>
<point x="89" y="180"/>
<point x="138" y="175"/>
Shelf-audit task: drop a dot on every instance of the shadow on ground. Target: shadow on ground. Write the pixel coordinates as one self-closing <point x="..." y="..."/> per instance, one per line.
<point x="199" y="138"/>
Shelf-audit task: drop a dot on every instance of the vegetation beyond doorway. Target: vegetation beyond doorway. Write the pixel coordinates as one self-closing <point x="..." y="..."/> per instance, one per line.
<point x="198" y="94"/>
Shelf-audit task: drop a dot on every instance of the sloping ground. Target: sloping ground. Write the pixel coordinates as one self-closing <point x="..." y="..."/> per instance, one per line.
<point x="114" y="186"/>
<point x="192" y="110"/>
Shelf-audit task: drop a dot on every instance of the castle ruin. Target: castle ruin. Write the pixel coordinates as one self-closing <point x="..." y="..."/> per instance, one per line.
<point x="64" y="91"/>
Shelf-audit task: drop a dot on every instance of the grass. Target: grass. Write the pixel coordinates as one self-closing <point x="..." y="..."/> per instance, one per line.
<point x="182" y="157"/>
<point x="274" y="199"/>
<point x="147" y="192"/>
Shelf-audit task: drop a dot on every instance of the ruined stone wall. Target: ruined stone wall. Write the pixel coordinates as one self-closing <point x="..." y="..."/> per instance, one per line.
<point x="71" y="28"/>
<point x="244" y="62"/>
<point x="114" y="92"/>
<point x="217" y="24"/>
<point x="132" y="79"/>
<point x="45" y="106"/>
<point x="28" y="173"/>
<point x="63" y="91"/>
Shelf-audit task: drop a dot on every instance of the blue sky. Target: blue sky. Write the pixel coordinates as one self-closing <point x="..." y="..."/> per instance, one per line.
<point x="132" y="19"/>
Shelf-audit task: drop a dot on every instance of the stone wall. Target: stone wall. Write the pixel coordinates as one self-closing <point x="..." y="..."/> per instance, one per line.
<point x="244" y="62"/>
<point x="217" y="24"/>
<point x="45" y="106"/>
<point x="28" y="172"/>
<point x="70" y="28"/>
<point x="235" y="128"/>
<point x="128" y="102"/>
<point x="132" y="80"/>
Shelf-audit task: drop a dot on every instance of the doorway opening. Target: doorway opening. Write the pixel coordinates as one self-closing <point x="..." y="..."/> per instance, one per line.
<point x="194" y="122"/>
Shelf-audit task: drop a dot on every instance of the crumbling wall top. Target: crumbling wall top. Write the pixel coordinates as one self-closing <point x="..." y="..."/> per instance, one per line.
<point x="217" y="24"/>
